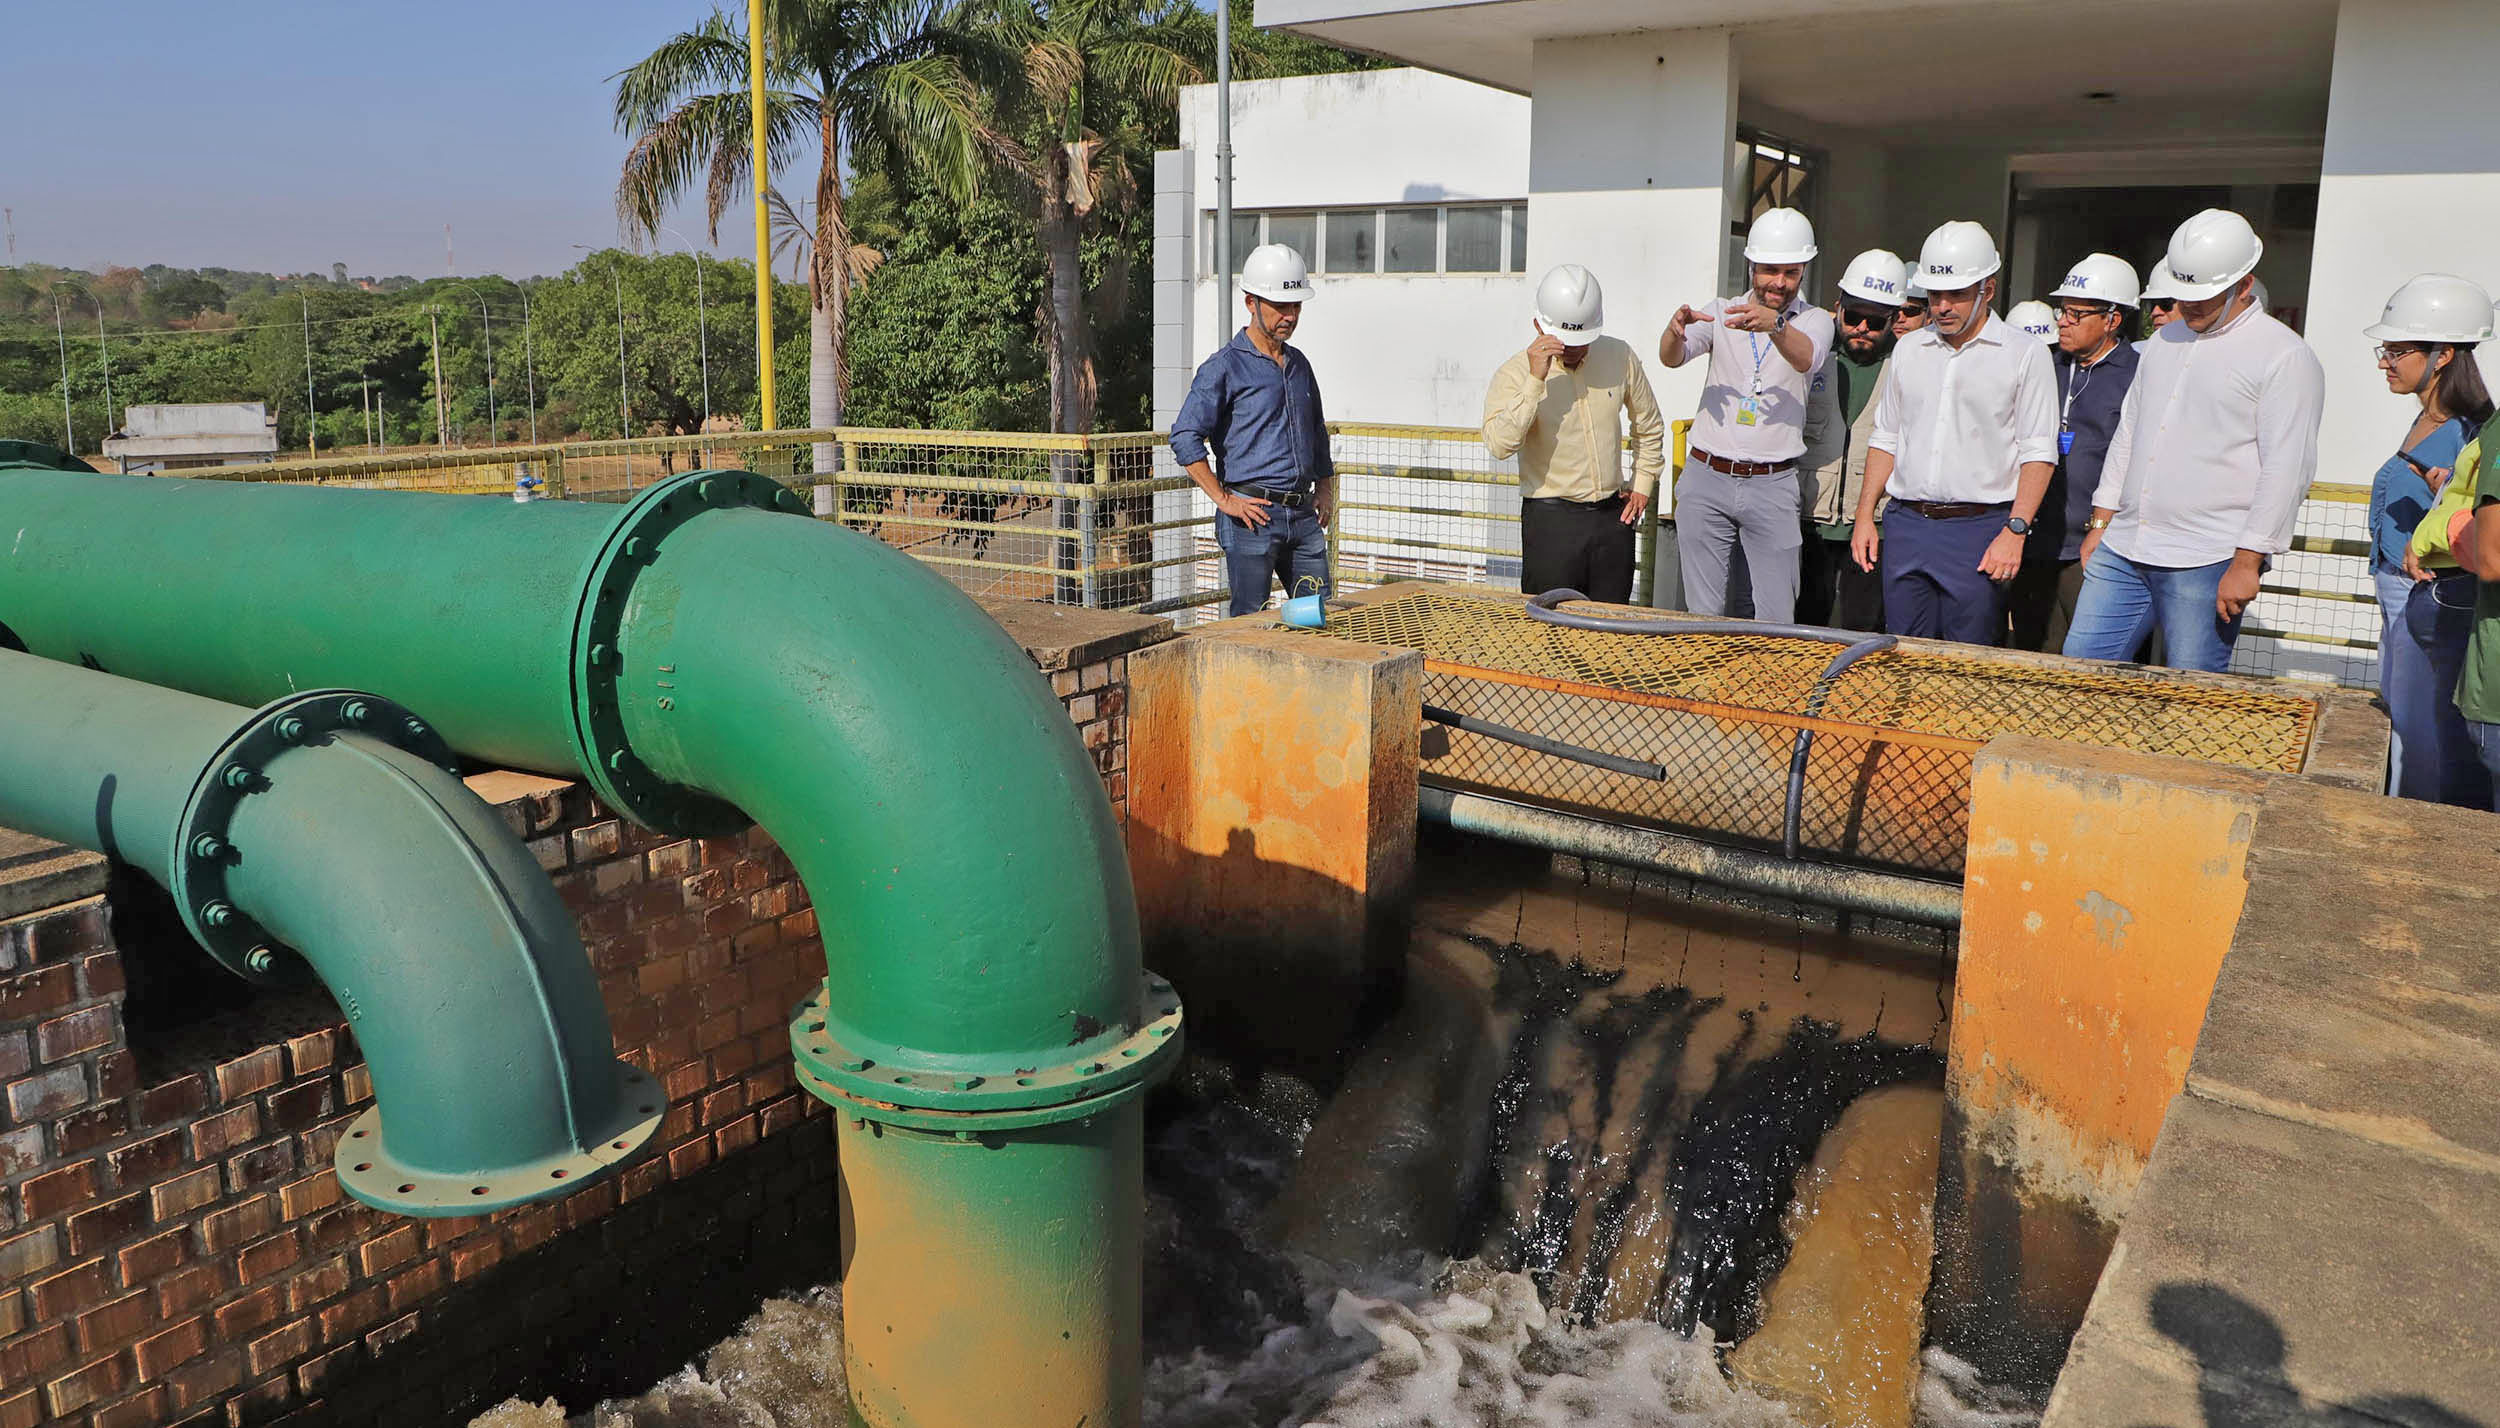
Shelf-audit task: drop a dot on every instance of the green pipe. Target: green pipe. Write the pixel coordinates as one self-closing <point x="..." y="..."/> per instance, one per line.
<point x="694" y="654"/>
<point x="327" y="826"/>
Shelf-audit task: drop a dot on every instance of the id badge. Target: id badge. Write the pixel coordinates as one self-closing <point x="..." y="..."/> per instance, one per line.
<point x="2065" y="443"/>
<point x="1748" y="412"/>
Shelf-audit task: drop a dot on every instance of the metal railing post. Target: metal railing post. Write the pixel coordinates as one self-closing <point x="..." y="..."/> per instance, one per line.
<point x="1089" y="539"/>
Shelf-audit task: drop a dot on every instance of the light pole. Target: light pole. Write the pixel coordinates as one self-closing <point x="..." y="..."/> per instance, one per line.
<point x="624" y="409"/>
<point x="69" y="431"/>
<point x="702" y="332"/>
<point x="312" y="417"/>
<point x="492" y="435"/>
<point x="107" y="353"/>
<point x="529" y="356"/>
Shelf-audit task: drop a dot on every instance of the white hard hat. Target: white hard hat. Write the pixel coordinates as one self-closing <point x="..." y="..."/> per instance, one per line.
<point x="1914" y="293"/>
<point x="2210" y="252"/>
<point x="2036" y="318"/>
<point x="1957" y="255"/>
<point x="1570" y="306"/>
<point x="1782" y="235"/>
<point x="2161" y="285"/>
<point x="1875" y="276"/>
<point x="1277" y="273"/>
<point x="2102" y="278"/>
<point x="2435" y="308"/>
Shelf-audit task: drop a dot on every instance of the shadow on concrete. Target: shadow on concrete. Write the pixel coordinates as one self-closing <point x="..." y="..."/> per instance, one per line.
<point x="2242" y="1377"/>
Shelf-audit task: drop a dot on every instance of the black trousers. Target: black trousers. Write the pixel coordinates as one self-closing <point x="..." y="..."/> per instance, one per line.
<point x="1576" y="545"/>
<point x="1835" y="593"/>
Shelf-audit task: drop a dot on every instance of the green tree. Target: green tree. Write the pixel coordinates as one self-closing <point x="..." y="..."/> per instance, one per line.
<point x="861" y="78"/>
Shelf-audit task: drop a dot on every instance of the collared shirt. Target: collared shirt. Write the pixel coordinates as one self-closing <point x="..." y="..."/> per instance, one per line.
<point x="1261" y="420"/>
<point x="1567" y="430"/>
<point x="2217" y="444"/>
<point x="1745" y="367"/>
<point x="1840" y="419"/>
<point x="2400" y="494"/>
<point x="2090" y="397"/>
<point x="1962" y="422"/>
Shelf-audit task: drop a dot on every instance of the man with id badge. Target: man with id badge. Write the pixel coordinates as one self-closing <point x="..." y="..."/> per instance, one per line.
<point x="2096" y="365"/>
<point x="1740" y="482"/>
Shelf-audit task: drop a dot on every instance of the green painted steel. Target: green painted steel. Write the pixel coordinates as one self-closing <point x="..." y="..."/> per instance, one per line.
<point x="697" y="651"/>
<point x="318" y="827"/>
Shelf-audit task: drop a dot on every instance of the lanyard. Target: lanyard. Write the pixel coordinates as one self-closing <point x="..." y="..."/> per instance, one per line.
<point x="2080" y="378"/>
<point x="1760" y="350"/>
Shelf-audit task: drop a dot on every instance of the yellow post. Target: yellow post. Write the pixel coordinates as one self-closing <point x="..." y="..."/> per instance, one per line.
<point x="763" y="235"/>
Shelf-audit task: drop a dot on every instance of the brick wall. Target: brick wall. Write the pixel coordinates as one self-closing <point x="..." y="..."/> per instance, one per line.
<point x="174" y="1247"/>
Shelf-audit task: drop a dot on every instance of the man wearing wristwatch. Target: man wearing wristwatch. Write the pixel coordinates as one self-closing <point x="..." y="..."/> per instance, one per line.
<point x="1740" y="478"/>
<point x="1965" y="442"/>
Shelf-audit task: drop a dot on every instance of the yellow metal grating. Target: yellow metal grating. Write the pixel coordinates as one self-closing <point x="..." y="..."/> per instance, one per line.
<point x="1888" y="779"/>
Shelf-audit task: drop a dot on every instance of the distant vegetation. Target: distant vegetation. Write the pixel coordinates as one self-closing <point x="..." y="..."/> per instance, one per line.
<point x="946" y="318"/>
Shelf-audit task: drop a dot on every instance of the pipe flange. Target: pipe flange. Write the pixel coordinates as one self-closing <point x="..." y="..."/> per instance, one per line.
<point x="204" y="847"/>
<point x="908" y="1089"/>
<point x="623" y="781"/>
<point x="368" y="1170"/>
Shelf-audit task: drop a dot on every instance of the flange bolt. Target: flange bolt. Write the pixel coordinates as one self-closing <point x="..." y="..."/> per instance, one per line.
<point x="291" y="729"/>
<point x="355" y="711"/>
<point x="217" y="913"/>
<point x="261" y="959"/>
<point x="415" y="728"/>
<point x="208" y="846"/>
<point x="239" y="777"/>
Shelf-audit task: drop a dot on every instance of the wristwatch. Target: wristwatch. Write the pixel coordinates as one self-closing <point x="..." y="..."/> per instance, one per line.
<point x="2098" y="523"/>
<point x="1780" y="324"/>
<point x="2018" y="525"/>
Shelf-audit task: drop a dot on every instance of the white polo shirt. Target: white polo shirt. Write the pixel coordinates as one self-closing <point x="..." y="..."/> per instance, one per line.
<point x="1745" y="366"/>
<point x="1961" y="422"/>
<point x="2216" y="445"/>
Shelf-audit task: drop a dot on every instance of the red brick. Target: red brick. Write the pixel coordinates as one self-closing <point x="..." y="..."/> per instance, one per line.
<point x="391" y="1333"/>
<point x="732" y="1061"/>
<point x="145" y="1409"/>
<point x="535" y="1226"/>
<point x="139" y="1162"/>
<point x="439" y="1233"/>
<point x="255" y="1310"/>
<point x="722" y="1104"/>
<point x="115" y="1321"/>
<point x="643" y="1179"/>
<point x="356" y="1085"/>
<point x="21" y="1151"/>
<point x="187" y="1289"/>
<point x="319" y="1371"/>
<point x="72" y="1291"/>
<point x="92" y="1384"/>
<point x="116" y="1075"/>
<point x="716" y="1032"/>
<point x="299" y="1106"/>
<point x="671" y="860"/>
<point x="319" y="1284"/>
<point x="17" y="1054"/>
<point x="272" y="1351"/>
<point x="583" y="1206"/>
<point x="100" y="974"/>
<point x="21" y="1410"/>
<point x="174" y="1100"/>
<point x="224" y="1229"/>
<point x="213" y="1136"/>
<point x="40" y="1097"/>
<point x="471" y="1260"/>
<point x="39" y="993"/>
<point x="322" y="1141"/>
<point x="314" y="1192"/>
<point x="313" y="1051"/>
<point x="113" y="1220"/>
<point x="264" y="1165"/>
<point x="735" y="1136"/>
<point x="332" y="1228"/>
<point x="599" y="840"/>
<point x="263" y="1258"/>
<point x="26" y="1360"/>
<point x="61" y="1190"/>
<point x="416" y="1285"/>
<point x="779" y="1116"/>
<point x="183" y="1194"/>
<point x="351" y="1316"/>
<point x="159" y="1354"/>
<point x="81" y="1030"/>
<point x="82" y="1131"/>
<point x="686" y="1159"/>
<point x="800" y="925"/>
<point x="250" y="1074"/>
<point x="204" y="1379"/>
<point x="380" y="1256"/>
<point x="151" y="1259"/>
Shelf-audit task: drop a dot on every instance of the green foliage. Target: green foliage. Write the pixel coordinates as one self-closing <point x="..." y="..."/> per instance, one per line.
<point x="942" y="333"/>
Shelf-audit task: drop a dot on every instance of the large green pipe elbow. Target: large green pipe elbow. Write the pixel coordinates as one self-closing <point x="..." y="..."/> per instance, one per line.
<point x="327" y="824"/>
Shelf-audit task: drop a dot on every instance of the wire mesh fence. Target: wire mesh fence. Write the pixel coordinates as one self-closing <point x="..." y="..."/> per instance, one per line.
<point x="1109" y="521"/>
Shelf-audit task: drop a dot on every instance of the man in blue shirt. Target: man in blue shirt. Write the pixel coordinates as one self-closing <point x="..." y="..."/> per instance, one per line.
<point x="1255" y="406"/>
<point x="2095" y="367"/>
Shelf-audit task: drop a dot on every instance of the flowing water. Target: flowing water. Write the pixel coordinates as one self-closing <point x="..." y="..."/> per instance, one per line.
<point x="1622" y="1158"/>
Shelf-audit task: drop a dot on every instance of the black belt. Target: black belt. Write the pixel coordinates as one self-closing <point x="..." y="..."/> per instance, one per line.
<point x="1954" y="510"/>
<point x="1726" y="466"/>
<point x="1292" y="500"/>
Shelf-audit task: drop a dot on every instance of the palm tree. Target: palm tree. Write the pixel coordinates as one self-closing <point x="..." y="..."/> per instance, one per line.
<point x="867" y="79"/>
<point x="1069" y="138"/>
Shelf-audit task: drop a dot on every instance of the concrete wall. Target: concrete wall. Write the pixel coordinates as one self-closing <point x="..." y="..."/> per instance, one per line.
<point x="174" y="1245"/>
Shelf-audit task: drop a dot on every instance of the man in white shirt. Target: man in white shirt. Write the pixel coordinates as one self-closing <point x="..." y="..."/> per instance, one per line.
<point x="2216" y="446"/>
<point x="1740" y="478"/>
<point x="1965" y="442"/>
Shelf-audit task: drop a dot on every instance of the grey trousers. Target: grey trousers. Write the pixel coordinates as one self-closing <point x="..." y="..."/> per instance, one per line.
<point x="1714" y="513"/>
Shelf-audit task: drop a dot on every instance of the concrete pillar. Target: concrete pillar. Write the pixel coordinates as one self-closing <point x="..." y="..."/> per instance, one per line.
<point x="1271" y="832"/>
<point x="2100" y="893"/>
<point x="1175" y="285"/>
<point x="2408" y="187"/>
<point x="1627" y="175"/>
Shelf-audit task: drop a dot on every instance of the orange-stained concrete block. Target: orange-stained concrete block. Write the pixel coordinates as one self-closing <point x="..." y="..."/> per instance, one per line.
<point x="1272" y="830"/>
<point x="2100" y="894"/>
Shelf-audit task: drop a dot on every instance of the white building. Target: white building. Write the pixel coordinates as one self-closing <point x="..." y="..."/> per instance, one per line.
<point x="1639" y="136"/>
<point x="173" y="436"/>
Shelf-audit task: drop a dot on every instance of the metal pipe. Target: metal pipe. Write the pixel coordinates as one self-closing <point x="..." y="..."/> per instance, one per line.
<point x="1904" y="899"/>
<point x="1224" y="316"/>
<point x="1014" y="1026"/>
<point x="1595" y="758"/>
<point x="328" y="823"/>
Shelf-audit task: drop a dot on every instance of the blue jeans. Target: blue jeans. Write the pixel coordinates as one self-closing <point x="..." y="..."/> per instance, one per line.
<point x="2423" y="631"/>
<point x="1292" y="547"/>
<point x="2486" y="741"/>
<point x="2123" y="601"/>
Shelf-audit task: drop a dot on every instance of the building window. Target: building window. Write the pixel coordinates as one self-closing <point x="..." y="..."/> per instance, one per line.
<point x="1765" y="172"/>
<point x="1298" y="231"/>
<point x="1475" y="241"/>
<point x="1353" y="241"/>
<point x="1518" y="237"/>
<point x="1409" y="239"/>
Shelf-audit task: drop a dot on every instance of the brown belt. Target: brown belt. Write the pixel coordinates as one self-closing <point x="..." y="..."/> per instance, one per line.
<point x="1740" y="468"/>
<point x="1951" y="510"/>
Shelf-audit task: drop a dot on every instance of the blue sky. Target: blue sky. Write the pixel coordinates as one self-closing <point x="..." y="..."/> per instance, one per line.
<point x="286" y="136"/>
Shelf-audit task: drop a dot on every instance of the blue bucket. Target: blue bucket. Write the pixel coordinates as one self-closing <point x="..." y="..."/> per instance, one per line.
<point x="1305" y="612"/>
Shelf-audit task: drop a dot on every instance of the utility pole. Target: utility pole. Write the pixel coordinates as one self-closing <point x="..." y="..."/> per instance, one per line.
<point x="108" y="363"/>
<point x="761" y="170"/>
<point x="442" y="411"/>
<point x="488" y="319"/>
<point x="624" y="409"/>
<point x="69" y="432"/>
<point x="9" y="217"/>
<point x="1223" y="169"/>
<point x="450" y="269"/>
<point x="529" y="354"/>
<point x="312" y="415"/>
<point x="367" y="378"/>
<point x="702" y="331"/>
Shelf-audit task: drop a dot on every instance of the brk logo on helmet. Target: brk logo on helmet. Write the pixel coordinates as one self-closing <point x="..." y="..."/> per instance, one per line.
<point x="1934" y="268"/>
<point x="1881" y="284"/>
<point x="2078" y="280"/>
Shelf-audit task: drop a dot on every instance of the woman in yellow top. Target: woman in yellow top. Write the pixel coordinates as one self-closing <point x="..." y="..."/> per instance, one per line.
<point x="2463" y="530"/>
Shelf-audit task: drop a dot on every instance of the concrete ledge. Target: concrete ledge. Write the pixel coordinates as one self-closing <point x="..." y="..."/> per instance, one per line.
<point x="1065" y="637"/>
<point x="2348" y="745"/>
<point x="36" y="873"/>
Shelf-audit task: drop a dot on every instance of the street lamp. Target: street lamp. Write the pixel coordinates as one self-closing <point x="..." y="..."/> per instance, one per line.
<point x="69" y="432"/>
<point x="104" y="350"/>
<point x="529" y="355"/>
<point x="702" y="334"/>
<point x="624" y="409"/>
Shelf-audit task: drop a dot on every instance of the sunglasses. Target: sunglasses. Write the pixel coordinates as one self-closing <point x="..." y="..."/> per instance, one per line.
<point x="2161" y="304"/>
<point x="1867" y="317"/>
<point x="2397" y="351"/>
<point x="2080" y="313"/>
